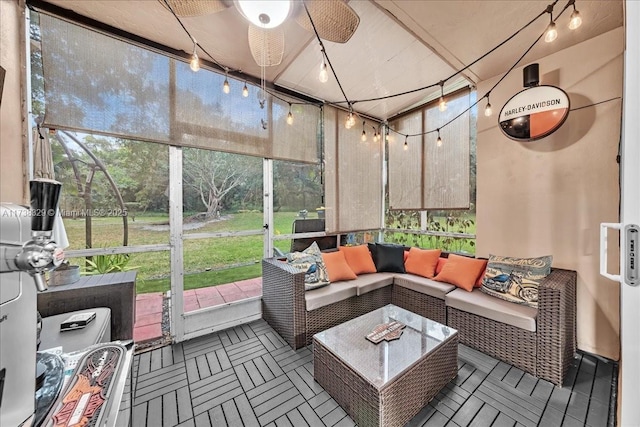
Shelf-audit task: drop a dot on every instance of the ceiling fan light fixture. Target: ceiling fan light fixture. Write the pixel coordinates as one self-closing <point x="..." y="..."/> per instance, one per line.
<point x="265" y="14"/>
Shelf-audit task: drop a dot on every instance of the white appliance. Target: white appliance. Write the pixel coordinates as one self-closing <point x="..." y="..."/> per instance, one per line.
<point x="22" y="264"/>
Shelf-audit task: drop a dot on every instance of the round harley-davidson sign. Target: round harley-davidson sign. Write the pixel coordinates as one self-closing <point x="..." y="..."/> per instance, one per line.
<point x="534" y="113"/>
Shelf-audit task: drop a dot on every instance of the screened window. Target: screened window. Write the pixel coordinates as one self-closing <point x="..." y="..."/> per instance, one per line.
<point x="427" y="174"/>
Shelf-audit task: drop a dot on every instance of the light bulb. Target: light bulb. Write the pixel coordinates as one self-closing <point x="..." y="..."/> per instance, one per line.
<point x="324" y="73"/>
<point x="405" y="147"/>
<point x="264" y="14"/>
<point x="245" y="91"/>
<point x="363" y="138"/>
<point x="347" y="123"/>
<point x="289" y="118"/>
<point x="439" y="141"/>
<point x="225" y="86"/>
<point x="575" y="20"/>
<point x="195" y="62"/>
<point x="487" y="110"/>
<point x="352" y="120"/>
<point x="442" y="104"/>
<point x="552" y="33"/>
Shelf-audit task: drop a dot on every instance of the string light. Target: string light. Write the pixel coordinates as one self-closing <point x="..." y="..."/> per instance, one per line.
<point x="575" y="21"/>
<point x="487" y="109"/>
<point x="324" y="73"/>
<point x="351" y="119"/>
<point x="363" y="138"/>
<point x="442" y="104"/>
<point x="552" y="33"/>
<point x="289" y="116"/>
<point x="439" y="140"/>
<point x="194" y="64"/>
<point x="225" y="86"/>
<point x="406" y="146"/>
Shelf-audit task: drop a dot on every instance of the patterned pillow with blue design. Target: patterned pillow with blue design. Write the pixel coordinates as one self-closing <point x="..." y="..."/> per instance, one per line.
<point x="516" y="279"/>
<point x="310" y="261"/>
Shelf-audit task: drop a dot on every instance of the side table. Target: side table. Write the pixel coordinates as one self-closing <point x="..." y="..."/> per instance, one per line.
<point x="116" y="291"/>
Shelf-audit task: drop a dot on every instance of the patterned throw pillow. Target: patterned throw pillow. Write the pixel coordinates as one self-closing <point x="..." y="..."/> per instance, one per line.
<point x="516" y="279"/>
<point x="310" y="261"/>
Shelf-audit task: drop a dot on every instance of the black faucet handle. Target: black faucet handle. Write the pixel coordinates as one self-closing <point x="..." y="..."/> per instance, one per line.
<point x="45" y="195"/>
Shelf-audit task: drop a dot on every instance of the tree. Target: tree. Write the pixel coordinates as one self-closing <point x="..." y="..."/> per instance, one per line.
<point x="213" y="175"/>
<point x="296" y="186"/>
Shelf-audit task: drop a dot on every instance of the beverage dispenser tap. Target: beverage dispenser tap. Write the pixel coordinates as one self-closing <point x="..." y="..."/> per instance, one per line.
<point x="40" y="254"/>
<point x="19" y="262"/>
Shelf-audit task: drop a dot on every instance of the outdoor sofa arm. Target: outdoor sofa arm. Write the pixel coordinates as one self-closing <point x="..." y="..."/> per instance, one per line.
<point x="283" y="303"/>
<point x="556" y="325"/>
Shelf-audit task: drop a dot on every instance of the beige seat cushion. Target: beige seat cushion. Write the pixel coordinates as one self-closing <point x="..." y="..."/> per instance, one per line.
<point x="333" y="293"/>
<point x="481" y="304"/>
<point x="371" y="282"/>
<point x="423" y="285"/>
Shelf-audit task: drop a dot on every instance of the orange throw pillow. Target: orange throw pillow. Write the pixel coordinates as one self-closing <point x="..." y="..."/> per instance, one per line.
<point x="337" y="267"/>
<point x="422" y="262"/>
<point x="441" y="263"/>
<point x="359" y="259"/>
<point x="461" y="271"/>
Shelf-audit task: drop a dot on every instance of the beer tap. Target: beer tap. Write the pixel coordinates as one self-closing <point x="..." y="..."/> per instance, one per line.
<point x="40" y="254"/>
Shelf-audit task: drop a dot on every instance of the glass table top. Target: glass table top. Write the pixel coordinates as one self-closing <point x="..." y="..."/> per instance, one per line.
<point x="383" y="362"/>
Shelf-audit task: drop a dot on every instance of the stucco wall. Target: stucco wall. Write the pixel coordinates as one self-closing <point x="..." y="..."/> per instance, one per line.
<point x="12" y="142"/>
<point x="549" y="196"/>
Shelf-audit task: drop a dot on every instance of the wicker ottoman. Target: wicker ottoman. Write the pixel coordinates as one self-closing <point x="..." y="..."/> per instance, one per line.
<point x="388" y="383"/>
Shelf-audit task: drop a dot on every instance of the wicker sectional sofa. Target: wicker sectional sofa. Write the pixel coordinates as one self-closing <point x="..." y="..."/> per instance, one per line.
<point x="539" y="341"/>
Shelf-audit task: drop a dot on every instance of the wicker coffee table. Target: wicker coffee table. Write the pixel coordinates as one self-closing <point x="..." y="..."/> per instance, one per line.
<point x="388" y="383"/>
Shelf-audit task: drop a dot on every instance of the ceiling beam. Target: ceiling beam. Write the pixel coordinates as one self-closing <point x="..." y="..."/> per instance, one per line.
<point x="400" y="17"/>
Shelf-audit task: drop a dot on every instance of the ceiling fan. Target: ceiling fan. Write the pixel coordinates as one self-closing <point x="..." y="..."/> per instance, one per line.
<point x="334" y="20"/>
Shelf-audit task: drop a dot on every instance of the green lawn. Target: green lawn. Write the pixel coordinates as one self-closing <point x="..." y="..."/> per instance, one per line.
<point x="210" y="262"/>
<point x="206" y="261"/>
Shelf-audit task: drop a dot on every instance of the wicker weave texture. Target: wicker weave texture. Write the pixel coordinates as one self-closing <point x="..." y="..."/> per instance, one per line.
<point x="400" y="400"/>
<point x="546" y="353"/>
<point x="556" y="323"/>
<point x="334" y="314"/>
<point x="505" y="342"/>
<point x="425" y="305"/>
<point x="283" y="305"/>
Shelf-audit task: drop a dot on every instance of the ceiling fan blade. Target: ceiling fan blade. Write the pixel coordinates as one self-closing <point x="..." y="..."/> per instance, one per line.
<point x="267" y="45"/>
<point x="334" y="20"/>
<point x="194" y="7"/>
